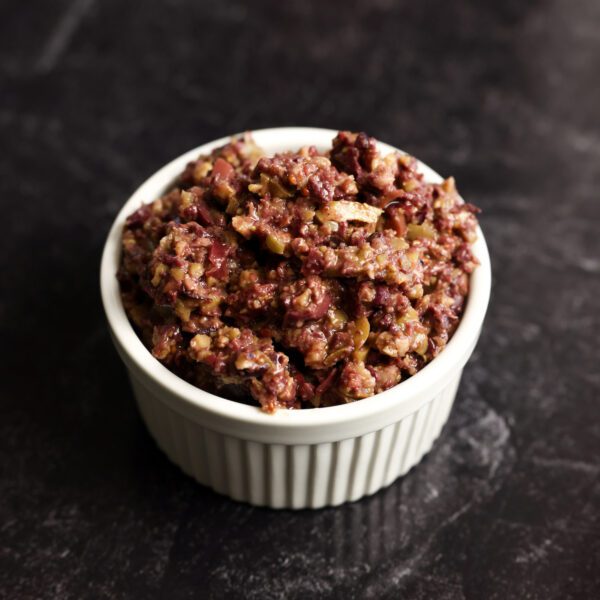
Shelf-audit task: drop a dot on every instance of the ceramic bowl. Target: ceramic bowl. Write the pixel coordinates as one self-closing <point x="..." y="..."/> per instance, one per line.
<point x="291" y="459"/>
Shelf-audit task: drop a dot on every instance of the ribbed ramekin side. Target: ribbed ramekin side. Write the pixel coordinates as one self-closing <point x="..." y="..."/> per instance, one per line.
<point x="295" y="476"/>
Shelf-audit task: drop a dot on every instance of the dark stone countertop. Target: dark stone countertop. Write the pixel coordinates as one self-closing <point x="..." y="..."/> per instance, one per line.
<point x="95" y="95"/>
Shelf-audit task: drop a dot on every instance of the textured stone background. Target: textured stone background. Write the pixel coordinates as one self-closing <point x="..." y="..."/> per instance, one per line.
<point x="95" y="95"/>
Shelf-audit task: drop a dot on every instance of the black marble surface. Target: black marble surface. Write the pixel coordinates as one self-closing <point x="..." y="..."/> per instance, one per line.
<point x="95" y="95"/>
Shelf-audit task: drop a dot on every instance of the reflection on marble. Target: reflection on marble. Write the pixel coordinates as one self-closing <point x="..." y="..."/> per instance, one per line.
<point x="370" y="545"/>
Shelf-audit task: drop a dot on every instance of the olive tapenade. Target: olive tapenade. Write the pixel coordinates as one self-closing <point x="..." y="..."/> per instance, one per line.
<point x="298" y="280"/>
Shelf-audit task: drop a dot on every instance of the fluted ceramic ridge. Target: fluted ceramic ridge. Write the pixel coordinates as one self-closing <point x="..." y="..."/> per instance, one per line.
<point x="296" y="475"/>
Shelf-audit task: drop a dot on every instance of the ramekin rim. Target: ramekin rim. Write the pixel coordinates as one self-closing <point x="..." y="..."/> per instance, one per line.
<point x="450" y="358"/>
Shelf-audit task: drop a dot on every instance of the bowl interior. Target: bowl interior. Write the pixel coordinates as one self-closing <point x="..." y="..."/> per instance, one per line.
<point x="275" y="140"/>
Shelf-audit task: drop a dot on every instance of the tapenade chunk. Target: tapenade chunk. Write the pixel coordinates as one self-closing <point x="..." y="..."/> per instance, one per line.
<point x="298" y="280"/>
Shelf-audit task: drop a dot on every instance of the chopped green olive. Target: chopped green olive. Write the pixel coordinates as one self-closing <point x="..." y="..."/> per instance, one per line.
<point x="425" y="230"/>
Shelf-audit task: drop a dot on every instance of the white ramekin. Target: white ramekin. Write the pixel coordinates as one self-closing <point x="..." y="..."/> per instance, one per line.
<point x="291" y="459"/>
